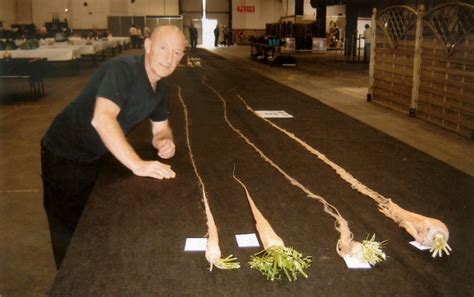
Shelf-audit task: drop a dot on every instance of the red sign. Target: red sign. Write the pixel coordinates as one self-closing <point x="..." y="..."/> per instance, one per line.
<point x="246" y="8"/>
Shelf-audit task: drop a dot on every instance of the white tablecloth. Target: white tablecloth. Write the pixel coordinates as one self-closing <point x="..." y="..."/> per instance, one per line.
<point x="121" y="40"/>
<point x="111" y="43"/>
<point x="52" y="54"/>
<point x="97" y="45"/>
<point x="83" y="49"/>
<point x="105" y="43"/>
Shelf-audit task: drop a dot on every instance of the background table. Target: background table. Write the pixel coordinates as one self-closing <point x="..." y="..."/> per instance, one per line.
<point x="84" y="49"/>
<point x="52" y="54"/>
<point x="32" y="70"/>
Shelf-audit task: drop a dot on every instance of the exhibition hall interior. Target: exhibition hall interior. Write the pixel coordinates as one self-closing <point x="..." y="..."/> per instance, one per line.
<point x="236" y="148"/>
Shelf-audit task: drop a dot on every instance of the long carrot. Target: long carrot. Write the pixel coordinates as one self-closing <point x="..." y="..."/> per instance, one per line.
<point x="426" y="231"/>
<point x="345" y="246"/>
<point x="275" y="257"/>
<point x="213" y="252"/>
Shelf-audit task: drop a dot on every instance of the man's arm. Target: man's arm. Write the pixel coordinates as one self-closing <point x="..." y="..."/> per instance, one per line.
<point x="105" y="122"/>
<point x="163" y="139"/>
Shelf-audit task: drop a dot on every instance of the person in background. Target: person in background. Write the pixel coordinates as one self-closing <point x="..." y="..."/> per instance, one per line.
<point x="66" y="32"/>
<point x="330" y="35"/>
<point x="193" y="35"/>
<point x="368" y="39"/>
<point x="140" y="37"/>
<point x="104" y="34"/>
<point x="227" y="34"/>
<point x="93" y="34"/>
<point x="337" y="32"/>
<point x="42" y="33"/>
<point x="241" y="37"/>
<point x="59" y="36"/>
<point x="122" y="93"/>
<point x="133" y="35"/>
<point x="217" y="32"/>
<point x="146" y="32"/>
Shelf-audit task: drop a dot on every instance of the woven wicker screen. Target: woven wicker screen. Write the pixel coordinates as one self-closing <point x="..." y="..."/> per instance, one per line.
<point x="446" y="93"/>
<point x="394" y="52"/>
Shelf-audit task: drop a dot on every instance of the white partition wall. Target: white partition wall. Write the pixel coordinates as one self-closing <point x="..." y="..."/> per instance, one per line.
<point x="94" y="15"/>
<point x="118" y="7"/>
<point x="218" y="10"/>
<point x="87" y="14"/>
<point x="153" y="7"/>
<point x="7" y="7"/>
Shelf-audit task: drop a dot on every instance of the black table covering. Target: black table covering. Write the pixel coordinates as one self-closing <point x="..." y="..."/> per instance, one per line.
<point x="33" y="67"/>
<point x="130" y="239"/>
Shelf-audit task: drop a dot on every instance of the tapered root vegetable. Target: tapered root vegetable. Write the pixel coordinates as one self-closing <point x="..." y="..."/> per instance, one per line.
<point x="368" y="251"/>
<point x="213" y="252"/>
<point x="346" y="246"/>
<point x="426" y="231"/>
<point x="275" y="257"/>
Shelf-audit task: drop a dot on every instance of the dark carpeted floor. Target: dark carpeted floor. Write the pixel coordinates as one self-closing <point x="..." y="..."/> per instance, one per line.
<point x="130" y="240"/>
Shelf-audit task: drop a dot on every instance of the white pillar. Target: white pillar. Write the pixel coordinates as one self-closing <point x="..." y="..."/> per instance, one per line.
<point x="417" y="61"/>
<point x="373" y="43"/>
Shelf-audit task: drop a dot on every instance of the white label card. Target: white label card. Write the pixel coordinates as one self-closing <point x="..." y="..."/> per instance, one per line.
<point x="419" y="246"/>
<point x="247" y="240"/>
<point x="356" y="263"/>
<point x="195" y="244"/>
<point x="273" y="114"/>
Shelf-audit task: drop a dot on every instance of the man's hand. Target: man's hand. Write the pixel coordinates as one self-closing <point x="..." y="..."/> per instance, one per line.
<point x="154" y="169"/>
<point x="166" y="148"/>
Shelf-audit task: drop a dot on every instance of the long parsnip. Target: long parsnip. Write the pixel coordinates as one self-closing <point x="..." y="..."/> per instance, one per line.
<point x="275" y="257"/>
<point x="345" y="246"/>
<point x="426" y="231"/>
<point x="213" y="251"/>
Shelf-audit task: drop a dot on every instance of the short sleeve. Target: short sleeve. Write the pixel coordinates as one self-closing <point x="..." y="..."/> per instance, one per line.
<point x="160" y="113"/>
<point x="115" y="82"/>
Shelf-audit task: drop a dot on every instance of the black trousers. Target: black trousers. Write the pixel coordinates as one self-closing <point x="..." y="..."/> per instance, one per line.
<point x="135" y="41"/>
<point x="193" y="42"/>
<point x="67" y="186"/>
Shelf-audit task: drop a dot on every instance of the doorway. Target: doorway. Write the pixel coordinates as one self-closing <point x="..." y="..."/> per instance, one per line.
<point x="208" y="27"/>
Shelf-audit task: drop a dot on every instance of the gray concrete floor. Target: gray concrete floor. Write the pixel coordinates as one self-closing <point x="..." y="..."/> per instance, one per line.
<point x="27" y="266"/>
<point x="26" y="260"/>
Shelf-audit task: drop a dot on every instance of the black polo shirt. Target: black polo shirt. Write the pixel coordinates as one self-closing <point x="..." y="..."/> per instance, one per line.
<point x="122" y="80"/>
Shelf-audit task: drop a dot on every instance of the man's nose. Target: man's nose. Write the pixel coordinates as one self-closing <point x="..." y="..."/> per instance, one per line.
<point x="169" y="57"/>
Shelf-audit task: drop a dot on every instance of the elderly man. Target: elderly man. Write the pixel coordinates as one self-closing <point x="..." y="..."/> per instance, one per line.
<point x="122" y="93"/>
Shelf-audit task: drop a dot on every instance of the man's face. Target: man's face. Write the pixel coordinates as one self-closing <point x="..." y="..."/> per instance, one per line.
<point x="165" y="50"/>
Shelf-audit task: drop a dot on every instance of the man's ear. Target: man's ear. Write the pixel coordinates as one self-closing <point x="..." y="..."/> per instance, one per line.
<point x="147" y="45"/>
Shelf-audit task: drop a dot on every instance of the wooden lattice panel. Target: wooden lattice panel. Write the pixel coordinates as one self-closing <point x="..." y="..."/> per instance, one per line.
<point x="446" y="93"/>
<point x="395" y="22"/>
<point x="451" y="22"/>
<point x="393" y="75"/>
